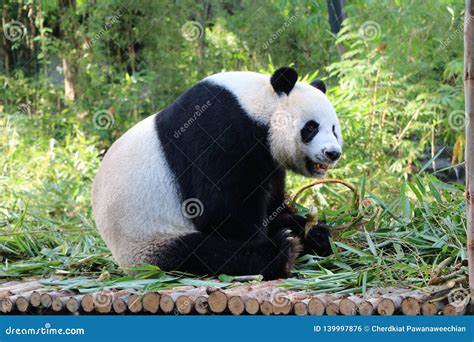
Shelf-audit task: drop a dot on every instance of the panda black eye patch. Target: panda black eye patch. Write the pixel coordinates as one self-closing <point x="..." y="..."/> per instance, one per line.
<point x="309" y="131"/>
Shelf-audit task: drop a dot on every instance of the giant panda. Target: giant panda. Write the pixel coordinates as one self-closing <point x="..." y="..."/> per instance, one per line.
<point x="199" y="186"/>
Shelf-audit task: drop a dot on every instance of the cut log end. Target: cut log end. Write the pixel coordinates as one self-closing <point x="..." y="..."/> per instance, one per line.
<point x="73" y="305"/>
<point x="119" y="305"/>
<point x="332" y="309"/>
<point x="134" y="303"/>
<point x="217" y="301"/>
<point x="366" y="308"/>
<point x="236" y="305"/>
<point x="316" y="307"/>
<point x="151" y="302"/>
<point x="348" y="307"/>
<point x="166" y="303"/>
<point x="386" y="307"/>
<point x="184" y="304"/>
<point x="301" y="309"/>
<point x="201" y="305"/>
<point x="87" y="303"/>
<point x="411" y="306"/>
<point x="266" y="308"/>
<point x="22" y="304"/>
<point x="251" y="306"/>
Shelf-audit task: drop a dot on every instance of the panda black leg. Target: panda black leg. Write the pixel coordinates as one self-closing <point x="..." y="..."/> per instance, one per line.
<point x="315" y="242"/>
<point x="202" y="254"/>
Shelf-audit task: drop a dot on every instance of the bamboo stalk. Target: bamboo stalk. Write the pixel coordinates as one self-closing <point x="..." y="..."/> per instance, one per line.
<point x="469" y="152"/>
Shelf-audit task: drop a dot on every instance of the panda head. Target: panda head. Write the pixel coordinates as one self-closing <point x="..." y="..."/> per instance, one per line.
<point x="304" y="131"/>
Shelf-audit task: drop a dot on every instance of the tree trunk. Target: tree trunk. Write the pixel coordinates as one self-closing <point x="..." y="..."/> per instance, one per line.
<point x="336" y="17"/>
<point x="469" y="102"/>
<point x="69" y="85"/>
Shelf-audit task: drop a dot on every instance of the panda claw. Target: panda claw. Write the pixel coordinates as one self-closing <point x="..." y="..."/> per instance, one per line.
<point x="288" y="231"/>
<point x="289" y="238"/>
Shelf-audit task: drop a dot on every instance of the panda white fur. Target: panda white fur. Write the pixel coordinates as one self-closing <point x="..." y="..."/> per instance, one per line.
<point x="199" y="187"/>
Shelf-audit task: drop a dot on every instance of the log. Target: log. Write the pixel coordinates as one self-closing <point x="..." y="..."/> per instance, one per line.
<point x="348" y="306"/>
<point x="19" y="288"/>
<point x="217" y="301"/>
<point x="119" y="304"/>
<point x="134" y="303"/>
<point x="301" y="308"/>
<point x="369" y="307"/>
<point x="87" y="303"/>
<point x="266" y="308"/>
<point x="59" y="303"/>
<point x="332" y="309"/>
<point x="35" y="298"/>
<point x="201" y="306"/>
<point x="252" y="306"/>
<point x="236" y="305"/>
<point x="22" y="304"/>
<point x="389" y="305"/>
<point x="456" y="309"/>
<point x="218" y="298"/>
<point x="6" y="305"/>
<point x="432" y="308"/>
<point x="151" y="302"/>
<point x="73" y="304"/>
<point x="469" y="147"/>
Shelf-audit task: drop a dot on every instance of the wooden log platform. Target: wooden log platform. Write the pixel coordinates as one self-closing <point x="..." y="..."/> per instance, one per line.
<point x="254" y="298"/>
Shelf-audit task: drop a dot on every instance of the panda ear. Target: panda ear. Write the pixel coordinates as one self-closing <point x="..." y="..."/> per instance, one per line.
<point x="283" y="80"/>
<point x="318" y="84"/>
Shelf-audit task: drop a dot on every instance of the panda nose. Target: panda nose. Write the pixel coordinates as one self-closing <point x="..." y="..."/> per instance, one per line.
<point x="332" y="155"/>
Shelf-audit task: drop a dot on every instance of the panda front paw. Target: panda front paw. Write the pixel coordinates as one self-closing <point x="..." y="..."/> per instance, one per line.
<point x="317" y="241"/>
<point x="287" y="249"/>
<point x="289" y="221"/>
